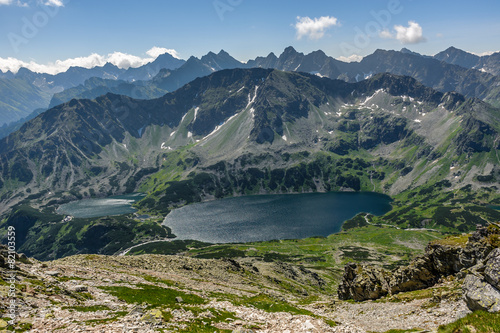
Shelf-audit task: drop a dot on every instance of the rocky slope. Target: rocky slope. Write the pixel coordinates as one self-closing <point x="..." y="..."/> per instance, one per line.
<point x="150" y="293"/>
<point x="476" y="258"/>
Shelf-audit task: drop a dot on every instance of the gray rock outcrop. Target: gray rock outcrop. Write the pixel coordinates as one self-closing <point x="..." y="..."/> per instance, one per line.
<point x="481" y="286"/>
<point x="362" y="282"/>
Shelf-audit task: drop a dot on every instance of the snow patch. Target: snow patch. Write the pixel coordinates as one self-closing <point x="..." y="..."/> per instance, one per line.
<point x="284" y="137"/>
<point x="251" y="100"/>
<point x="241" y="89"/>
<point x="218" y="127"/>
<point x="190" y="134"/>
<point x="195" y="113"/>
<point x="172" y="134"/>
<point x="370" y="97"/>
<point x="316" y="73"/>
<point x="165" y="147"/>
<point x="184" y="116"/>
<point x="417" y="120"/>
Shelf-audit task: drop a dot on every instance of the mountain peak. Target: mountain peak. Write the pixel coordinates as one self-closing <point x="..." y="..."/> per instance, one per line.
<point x="453" y="48"/>
<point x="458" y="57"/>
<point x="319" y="53"/>
<point x="289" y="50"/>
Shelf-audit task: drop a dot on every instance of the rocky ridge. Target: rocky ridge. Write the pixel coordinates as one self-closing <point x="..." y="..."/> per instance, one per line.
<point x="477" y="258"/>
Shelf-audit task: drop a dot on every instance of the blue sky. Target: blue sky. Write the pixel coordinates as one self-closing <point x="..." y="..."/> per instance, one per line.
<point x="44" y="31"/>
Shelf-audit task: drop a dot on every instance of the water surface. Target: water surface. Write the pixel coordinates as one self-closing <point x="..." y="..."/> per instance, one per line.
<point x="266" y="217"/>
<point x="115" y="205"/>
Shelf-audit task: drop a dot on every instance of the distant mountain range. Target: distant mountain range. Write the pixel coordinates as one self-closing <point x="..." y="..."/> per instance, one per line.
<point x="240" y="123"/>
<point x="450" y="70"/>
<point x="25" y="91"/>
<point x="488" y="64"/>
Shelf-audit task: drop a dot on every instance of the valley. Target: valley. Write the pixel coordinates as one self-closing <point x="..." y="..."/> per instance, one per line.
<point x="260" y="131"/>
<point x="418" y="154"/>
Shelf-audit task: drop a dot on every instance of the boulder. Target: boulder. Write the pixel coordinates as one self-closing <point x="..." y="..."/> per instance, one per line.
<point x="362" y="282"/>
<point x="492" y="268"/>
<point x="79" y="288"/>
<point x="444" y="259"/>
<point x="480" y="295"/>
<point x="418" y="274"/>
<point x="154" y="316"/>
<point x="482" y="285"/>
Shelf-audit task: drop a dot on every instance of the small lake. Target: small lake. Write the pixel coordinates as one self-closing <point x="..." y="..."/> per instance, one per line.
<point x="267" y="217"/>
<point x="115" y="205"/>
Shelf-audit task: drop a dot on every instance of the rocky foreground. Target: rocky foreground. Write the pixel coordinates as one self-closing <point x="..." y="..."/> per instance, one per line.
<point x="150" y="293"/>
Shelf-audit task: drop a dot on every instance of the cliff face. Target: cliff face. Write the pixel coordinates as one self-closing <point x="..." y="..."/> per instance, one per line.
<point x="474" y="257"/>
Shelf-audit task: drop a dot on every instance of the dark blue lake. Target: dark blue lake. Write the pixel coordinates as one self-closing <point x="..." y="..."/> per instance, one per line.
<point x="115" y="205"/>
<point x="267" y="217"/>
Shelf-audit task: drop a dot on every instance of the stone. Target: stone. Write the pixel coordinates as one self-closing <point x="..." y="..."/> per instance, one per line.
<point x="179" y="299"/>
<point x="154" y="316"/>
<point x="79" y="288"/>
<point x="492" y="268"/>
<point x="417" y="275"/>
<point x="362" y="282"/>
<point x="24" y="259"/>
<point x="480" y="295"/>
<point x="52" y="273"/>
<point x="444" y="258"/>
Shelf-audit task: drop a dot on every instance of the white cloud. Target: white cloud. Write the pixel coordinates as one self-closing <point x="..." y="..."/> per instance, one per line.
<point x="11" y="2"/>
<point x="351" y="58"/>
<point x="386" y="34"/>
<point x="314" y="28"/>
<point x="119" y="59"/>
<point x="53" y="3"/>
<point x="487" y="53"/>
<point x="412" y="34"/>
<point x="157" y="51"/>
